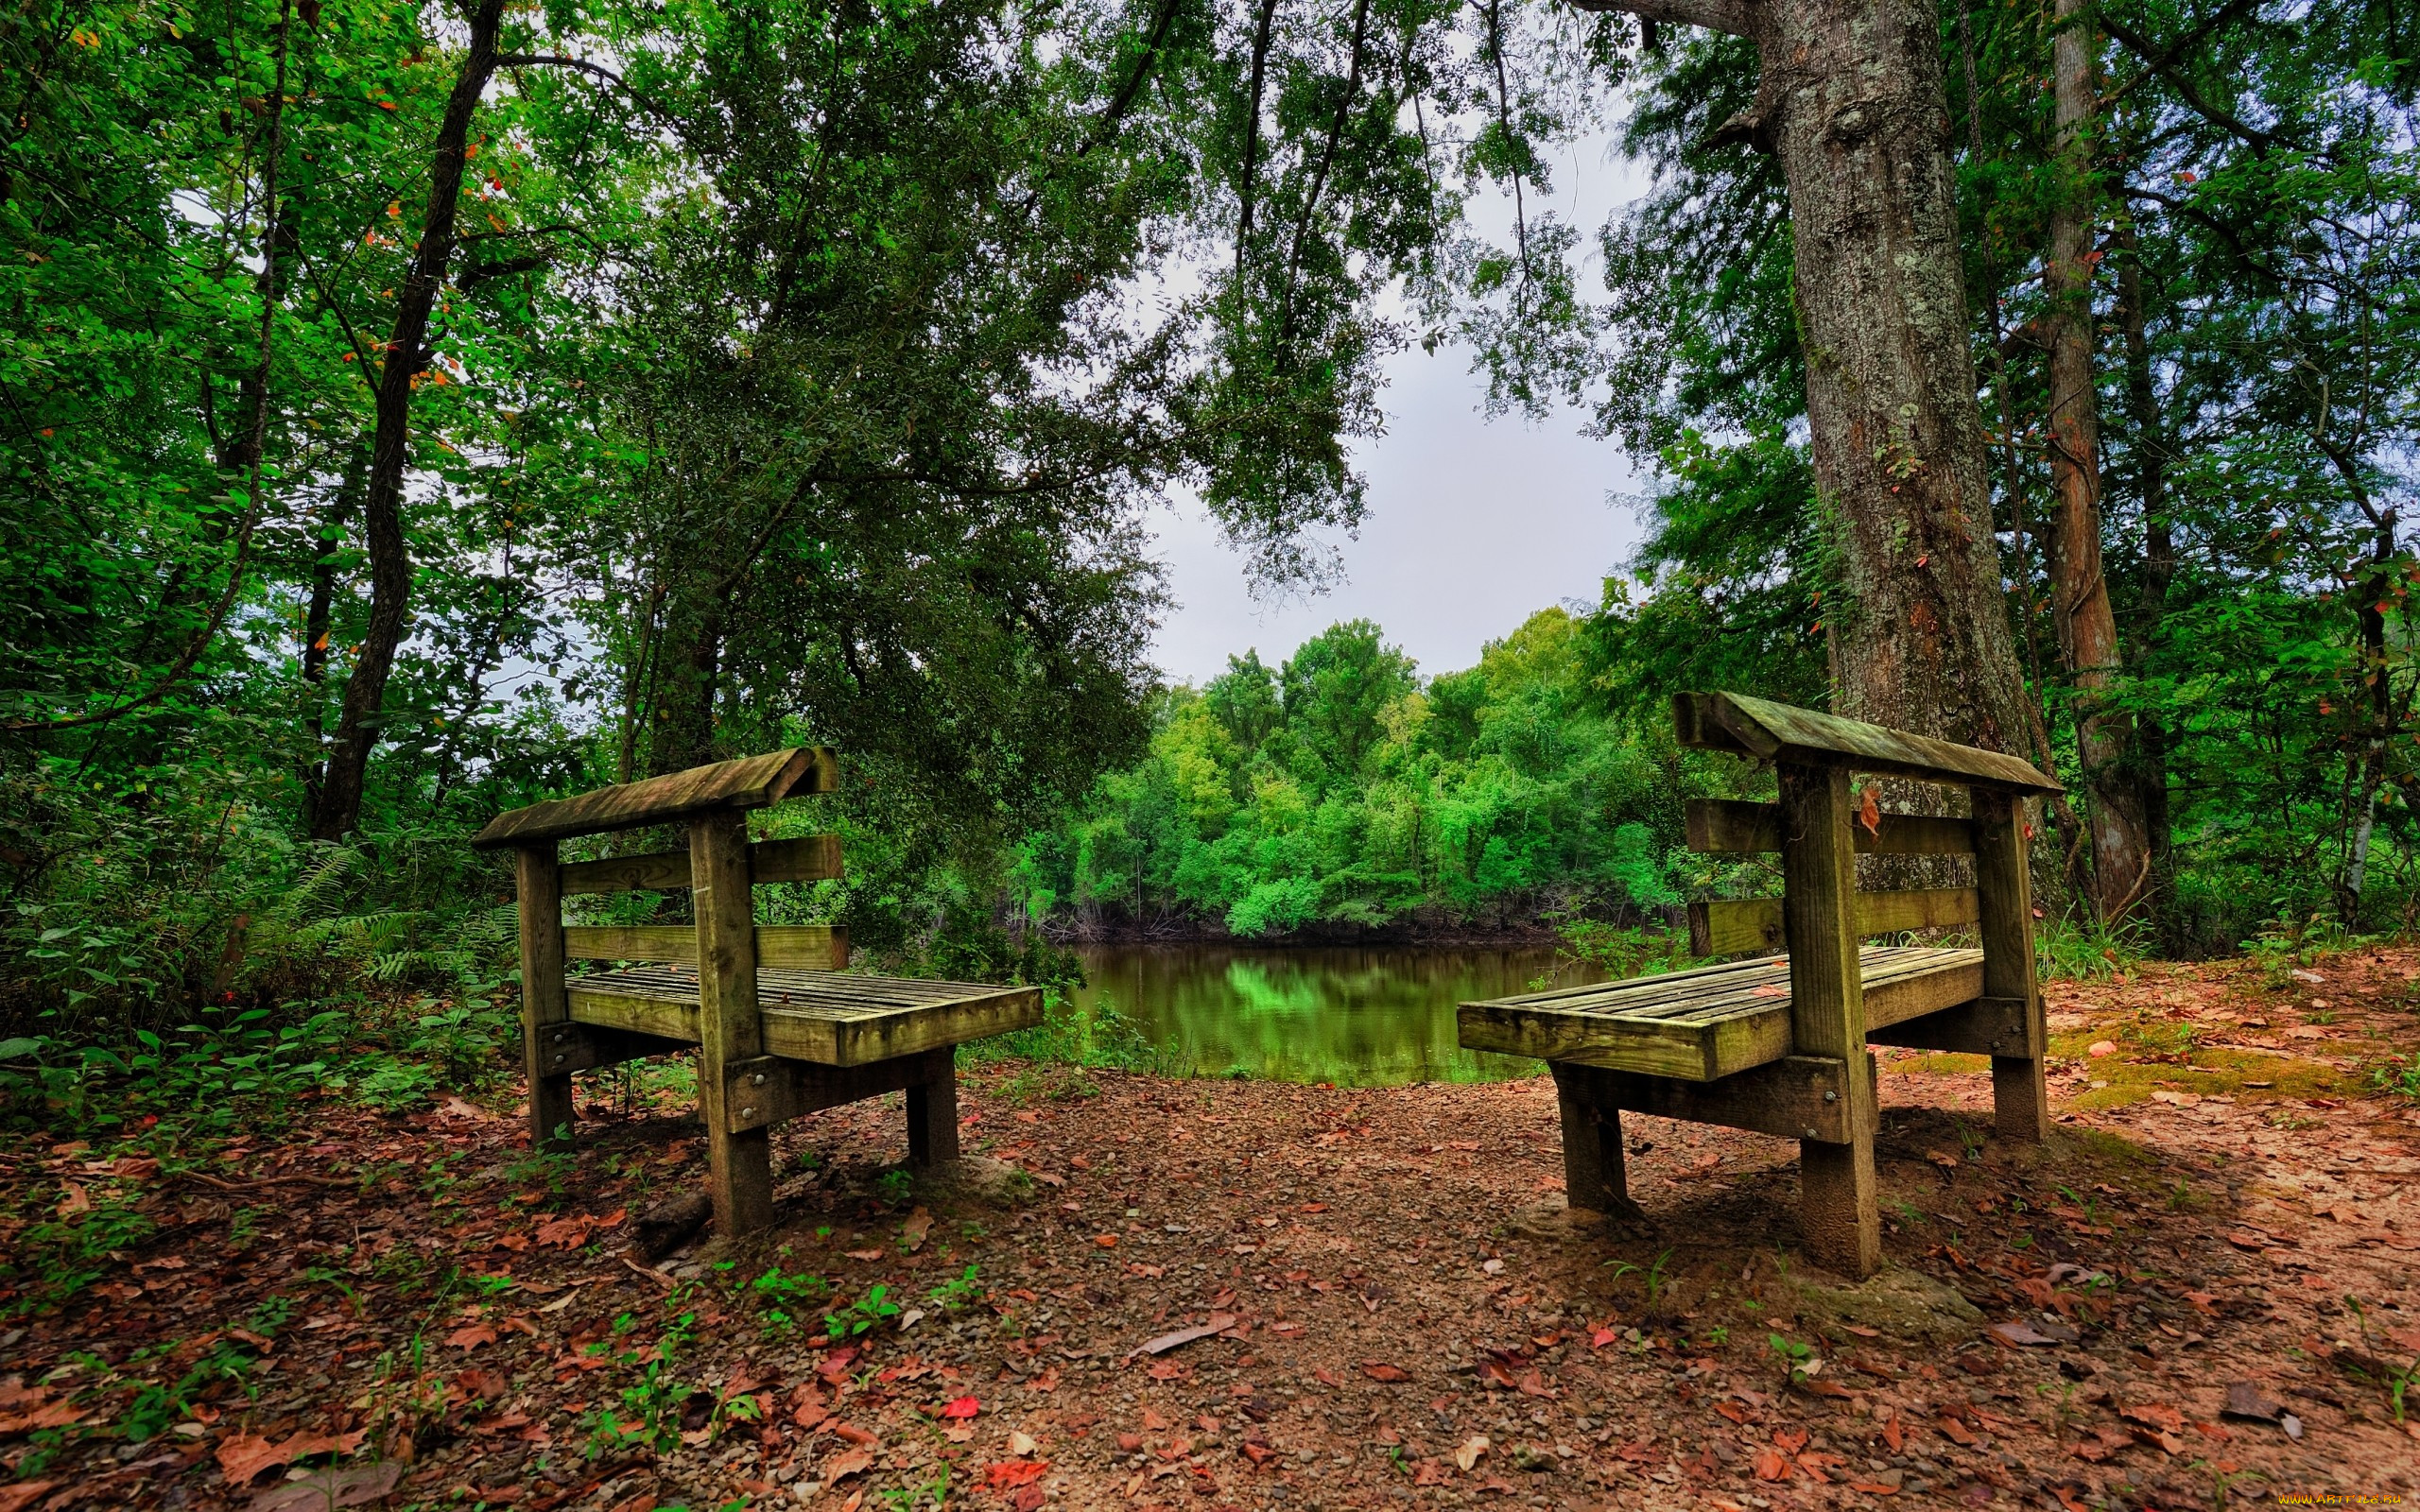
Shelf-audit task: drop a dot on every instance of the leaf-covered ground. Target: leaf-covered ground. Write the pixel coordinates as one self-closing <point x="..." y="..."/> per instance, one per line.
<point x="1183" y="1294"/>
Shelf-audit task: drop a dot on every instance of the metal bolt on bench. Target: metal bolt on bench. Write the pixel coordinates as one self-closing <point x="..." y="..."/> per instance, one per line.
<point x="781" y="1029"/>
<point x="1777" y="1043"/>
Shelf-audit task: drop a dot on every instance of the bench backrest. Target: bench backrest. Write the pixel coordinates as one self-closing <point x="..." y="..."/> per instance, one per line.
<point x="722" y="789"/>
<point x="1821" y="916"/>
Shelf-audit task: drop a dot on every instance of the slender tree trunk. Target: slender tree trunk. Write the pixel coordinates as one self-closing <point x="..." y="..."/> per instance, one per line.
<point x="317" y="621"/>
<point x="2159" y="564"/>
<point x="391" y="566"/>
<point x="689" y="658"/>
<point x="2079" y="603"/>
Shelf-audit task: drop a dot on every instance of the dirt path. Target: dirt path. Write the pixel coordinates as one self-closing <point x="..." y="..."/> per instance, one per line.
<point x="1403" y="1314"/>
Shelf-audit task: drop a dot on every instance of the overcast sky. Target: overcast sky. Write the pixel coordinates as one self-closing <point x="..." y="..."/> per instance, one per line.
<point x="1473" y="524"/>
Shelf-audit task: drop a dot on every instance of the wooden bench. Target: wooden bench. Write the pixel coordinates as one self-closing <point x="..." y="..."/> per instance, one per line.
<point x="1777" y="1043"/>
<point x="781" y="1029"/>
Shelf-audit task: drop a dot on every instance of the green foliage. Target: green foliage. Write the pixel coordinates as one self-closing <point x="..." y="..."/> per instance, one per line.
<point x="1338" y="791"/>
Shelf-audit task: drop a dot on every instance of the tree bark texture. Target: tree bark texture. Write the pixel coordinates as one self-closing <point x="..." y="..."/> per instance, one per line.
<point x="390" y="568"/>
<point x="1853" y="101"/>
<point x="2159" y="563"/>
<point x="2079" y="603"/>
<point x="1851" y="98"/>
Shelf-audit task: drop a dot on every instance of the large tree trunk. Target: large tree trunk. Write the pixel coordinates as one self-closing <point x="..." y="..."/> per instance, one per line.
<point x="390" y="568"/>
<point x="1852" y="101"/>
<point x="2080" y="604"/>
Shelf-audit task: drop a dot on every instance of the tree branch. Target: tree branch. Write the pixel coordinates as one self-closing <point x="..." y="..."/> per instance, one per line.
<point x="2177" y="49"/>
<point x="2158" y="63"/>
<point x="1740" y="18"/>
<point x="652" y="106"/>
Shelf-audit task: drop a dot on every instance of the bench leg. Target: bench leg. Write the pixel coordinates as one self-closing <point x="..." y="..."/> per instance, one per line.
<point x="2020" y="1099"/>
<point x="1592" y="1177"/>
<point x="543" y="1003"/>
<point x="932" y="1115"/>
<point x="1840" y="1200"/>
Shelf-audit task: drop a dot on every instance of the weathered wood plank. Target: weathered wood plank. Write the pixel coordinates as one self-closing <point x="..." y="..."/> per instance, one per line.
<point x="1692" y="1052"/>
<point x="567" y="1047"/>
<point x="750" y="783"/>
<point x="1730" y="827"/>
<point x="1841" y="1204"/>
<point x="663" y="1017"/>
<point x="739" y="1168"/>
<point x="1779" y="733"/>
<point x="1986" y="1026"/>
<point x="811" y="1016"/>
<point x="1800" y="1097"/>
<point x="539" y="882"/>
<point x="2020" y="1097"/>
<point x="805" y="947"/>
<point x="1730" y="926"/>
<point x="1718" y="1026"/>
<point x="764" y="1090"/>
<point x="656" y="871"/>
<point x="806" y="858"/>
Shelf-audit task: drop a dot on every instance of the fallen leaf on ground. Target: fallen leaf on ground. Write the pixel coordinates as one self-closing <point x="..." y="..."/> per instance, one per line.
<point x="1014" y="1472"/>
<point x="17" y="1498"/>
<point x="1021" y="1442"/>
<point x="1771" y="1464"/>
<point x="1467" y="1453"/>
<point x="1378" y="1371"/>
<point x="2027" y="1334"/>
<point x="470" y="1337"/>
<point x="1219" y="1323"/>
<point x="919" y="1225"/>
<point x="2245" y="1402"/>
<point x="334" y="1486"/>
<point x="962" y="1407"/>
<point x="852" y="1462"/>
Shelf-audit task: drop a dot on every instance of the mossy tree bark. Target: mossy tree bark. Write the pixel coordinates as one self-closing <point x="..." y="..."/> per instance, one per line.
<point x="1851" y="99"/>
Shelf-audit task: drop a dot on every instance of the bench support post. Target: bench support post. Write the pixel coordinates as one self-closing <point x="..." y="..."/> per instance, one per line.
<point x="739" y="1161"/>
<point x="1594" y="1180"/>
<point x="1842" y="1207"/>
<point x="539" y="879"/>
<point x="2020" y="1098"/>
<point x="932" y="1113"/>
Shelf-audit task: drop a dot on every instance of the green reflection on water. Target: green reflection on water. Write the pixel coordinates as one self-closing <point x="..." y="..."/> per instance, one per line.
<point x="1363" y="1018"/>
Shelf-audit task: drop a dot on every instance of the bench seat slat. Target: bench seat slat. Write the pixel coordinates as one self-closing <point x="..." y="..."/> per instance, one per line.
<point x="829" y="1017"/>
<point x="1706" y="1023"/>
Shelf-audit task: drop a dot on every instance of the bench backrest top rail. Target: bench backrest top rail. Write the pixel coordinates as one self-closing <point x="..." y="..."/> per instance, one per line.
<point x="1779" y="733"/>
<point x="750" y="782"/>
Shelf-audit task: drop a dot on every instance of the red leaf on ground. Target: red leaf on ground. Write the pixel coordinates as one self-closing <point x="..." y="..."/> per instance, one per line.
<point x="1603" y="1338"/>
<point x="1957" y="1431"/>
<point x="1771" y="1465"/>
<point x="1013" y="1472"/>
<point x="17" y="1498"/>
<point x="1790" y="1440"/>
<point x="962" y="1407"/>
<point x="472" y="1336"/>
<point x="1377" y="1370"/>
<point x="1873" y="1489"/>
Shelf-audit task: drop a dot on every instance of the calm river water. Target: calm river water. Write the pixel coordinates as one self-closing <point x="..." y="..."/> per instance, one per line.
<point x="1368" y="1018"/>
